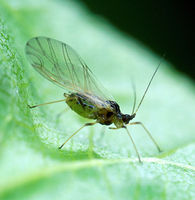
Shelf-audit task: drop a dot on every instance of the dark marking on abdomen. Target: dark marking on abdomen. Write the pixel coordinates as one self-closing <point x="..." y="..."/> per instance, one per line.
<point x="80" y="102"/>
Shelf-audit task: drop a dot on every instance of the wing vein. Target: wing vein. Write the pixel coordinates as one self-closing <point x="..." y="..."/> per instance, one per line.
<point x="60" y="64"/>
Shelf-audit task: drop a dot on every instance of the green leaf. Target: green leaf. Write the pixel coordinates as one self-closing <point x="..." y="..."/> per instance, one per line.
<point x="98" y="163"/>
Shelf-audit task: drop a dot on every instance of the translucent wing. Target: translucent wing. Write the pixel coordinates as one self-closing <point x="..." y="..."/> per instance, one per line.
<point x="60" y="64"/>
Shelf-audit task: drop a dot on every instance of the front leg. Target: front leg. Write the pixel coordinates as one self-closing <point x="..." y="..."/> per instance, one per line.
<point x="149" y="134"/>
<point x="139" y="158"/>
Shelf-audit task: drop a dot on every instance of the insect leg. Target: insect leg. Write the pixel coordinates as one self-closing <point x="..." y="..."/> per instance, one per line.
<point x="149" y="134"/>
<point x="133" y="144"/>
<point x="87" y="124"/>
<point x="46" y="103"/>
<point x="114" y="128"/>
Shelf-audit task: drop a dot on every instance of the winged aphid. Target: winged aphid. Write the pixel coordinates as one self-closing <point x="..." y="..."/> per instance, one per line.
<point x="60" y="64"/>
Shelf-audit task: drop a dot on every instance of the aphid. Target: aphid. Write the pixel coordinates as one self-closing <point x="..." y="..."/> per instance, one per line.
<point x="61" y="65"/>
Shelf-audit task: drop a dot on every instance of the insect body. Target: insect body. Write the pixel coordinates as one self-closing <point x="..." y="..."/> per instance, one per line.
<point x="106" y="112"/>
<point x="61" y="65"/>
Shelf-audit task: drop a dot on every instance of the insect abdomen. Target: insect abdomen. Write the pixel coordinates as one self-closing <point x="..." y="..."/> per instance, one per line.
<point x="82" y="106"/>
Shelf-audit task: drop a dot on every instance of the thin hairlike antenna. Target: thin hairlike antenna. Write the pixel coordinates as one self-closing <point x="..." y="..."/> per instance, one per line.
<point x="134" y="96"/>
<point x="149" y="83"/>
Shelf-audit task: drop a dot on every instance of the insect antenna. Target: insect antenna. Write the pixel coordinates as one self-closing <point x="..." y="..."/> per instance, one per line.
<point x="134" y="97"/>
<point x="149" y="84"/>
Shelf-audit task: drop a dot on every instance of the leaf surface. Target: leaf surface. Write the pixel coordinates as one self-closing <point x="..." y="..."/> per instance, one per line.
<point x="98" y="163"/>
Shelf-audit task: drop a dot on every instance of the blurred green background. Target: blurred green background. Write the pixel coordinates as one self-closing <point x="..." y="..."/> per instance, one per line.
<point x="98" y="163"/>
<point x="164" y="25"/>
